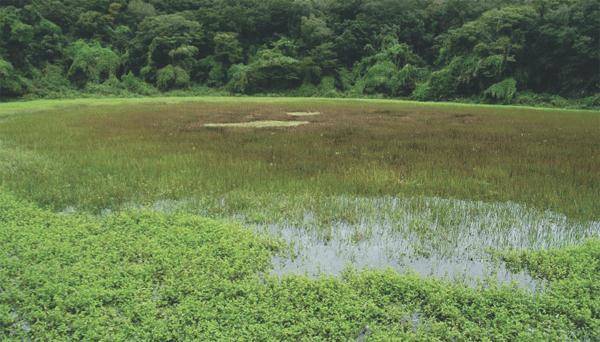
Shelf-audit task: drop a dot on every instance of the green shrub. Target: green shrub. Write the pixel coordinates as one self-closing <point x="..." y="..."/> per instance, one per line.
<point x="548" y="100"/>
<point x="52" y="78"/>
<point x="107" y="88"/>
<point x="134" y="85"/>
<point x="307" y="89"/>
<point x="503" y="92"/>
<point x="406" y="79"/>
<point x="172" y="77"/>
<point x="442" y="85"/>
<point x="141" y="275"/>
<point x="379" y="78"/>
<point x="591" y="102"/>
<point x="327" y="87"/>
<point x="272" y="70"/>
<point x="422" y="92"/>
<point x="91" y="63"/>
<point x="11" y="83"/>
<point x="238" y="78"/>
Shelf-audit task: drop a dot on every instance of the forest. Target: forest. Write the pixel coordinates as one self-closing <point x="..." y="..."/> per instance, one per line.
<point x="507" y="52"/>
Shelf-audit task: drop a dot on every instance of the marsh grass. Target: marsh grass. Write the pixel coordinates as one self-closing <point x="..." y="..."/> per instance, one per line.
<point x="374" y="184"/>
<point x="432" y="236"/>
<point x="95" y="156"/>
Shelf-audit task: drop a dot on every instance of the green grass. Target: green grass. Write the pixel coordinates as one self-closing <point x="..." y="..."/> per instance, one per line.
<point x="140" y="275"/>
<point x="91" y="155"/>
<point x="123" y="219"/>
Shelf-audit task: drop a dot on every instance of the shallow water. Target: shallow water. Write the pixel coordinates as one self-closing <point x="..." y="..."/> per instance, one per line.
<point x="310" y="254"/>
<point x="442" y="238"/>
<point x="437" y="237"/>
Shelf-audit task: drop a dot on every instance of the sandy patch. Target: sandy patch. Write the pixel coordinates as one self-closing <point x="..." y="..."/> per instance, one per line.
<point x="303" y="113"/>
<point x="259" y="124"/>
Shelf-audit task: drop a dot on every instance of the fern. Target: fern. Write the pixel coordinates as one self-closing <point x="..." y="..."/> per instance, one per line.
<point x="502" y="91"/>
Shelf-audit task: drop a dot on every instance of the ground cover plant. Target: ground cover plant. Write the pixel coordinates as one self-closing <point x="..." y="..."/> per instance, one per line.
<point x="179" y="276"/>
<point x="131" y="219"/>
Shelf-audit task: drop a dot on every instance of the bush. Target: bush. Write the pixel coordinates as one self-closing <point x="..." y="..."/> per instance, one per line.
<point x="172" y="77"/>
<point x="91" y="63"/>
<point x="327" y="87"/>
<point x="503" y="91"/>
<point x="133" y="84"/>
<point x="238" y="78"/>
<point x="422" y="92"/>
<point x="591" y="102"/>
<point x="11" y="83"/>
<point x="50" y="82"/>
<point x="405" y="81"/>
<point x="547" y="100"/>
<point x="272" y="70"/>
<point x="379" y="78"/>
<point x="110" y="87"/>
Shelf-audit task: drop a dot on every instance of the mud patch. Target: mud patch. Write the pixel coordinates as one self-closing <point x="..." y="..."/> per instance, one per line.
<point x="257" y="124"/>
<point x="303" y="113"/>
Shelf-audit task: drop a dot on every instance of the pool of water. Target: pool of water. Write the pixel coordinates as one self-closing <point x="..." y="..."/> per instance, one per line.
<point x="441" y="238"/>
<point x="434" y="237"/>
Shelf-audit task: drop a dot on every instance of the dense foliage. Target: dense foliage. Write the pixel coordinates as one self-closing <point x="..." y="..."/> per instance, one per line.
<point x="144" y="275"/>
<point x="509" y="51"/>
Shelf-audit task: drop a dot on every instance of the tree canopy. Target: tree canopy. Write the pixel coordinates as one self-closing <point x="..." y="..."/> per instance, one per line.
<point x="490" y="51"/>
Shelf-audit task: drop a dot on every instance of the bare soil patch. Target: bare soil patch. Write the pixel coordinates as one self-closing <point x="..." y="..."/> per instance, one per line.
<point x="258" y="124"/>
<point x="303" y="113"/>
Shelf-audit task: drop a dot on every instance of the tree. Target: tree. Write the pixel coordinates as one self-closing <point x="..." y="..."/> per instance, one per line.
<point x="15" y="36"/>
<point x="270" y="69"/>
<point x="483" y="52"/>
<point x="503" y="91"/>
<point x="91" y="63"/>
<point x="92" y="24"/>
<point x="138" y="10"/>
<point x="165" y="40"/>
<point x="394" y="70"/>
<point x="228" y="49"/>
<point x="429" y="49"/>
<point x="563" y="55"/>
<point x="11" y="84"/>
<point x="314" y="31"/>
<point x="172" y="77"/>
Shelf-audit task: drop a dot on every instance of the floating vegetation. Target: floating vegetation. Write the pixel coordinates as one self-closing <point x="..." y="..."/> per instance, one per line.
<point x="259" y="124"/>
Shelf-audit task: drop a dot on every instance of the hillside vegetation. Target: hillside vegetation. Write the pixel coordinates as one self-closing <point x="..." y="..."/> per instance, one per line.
<point x="511" y="51"/>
